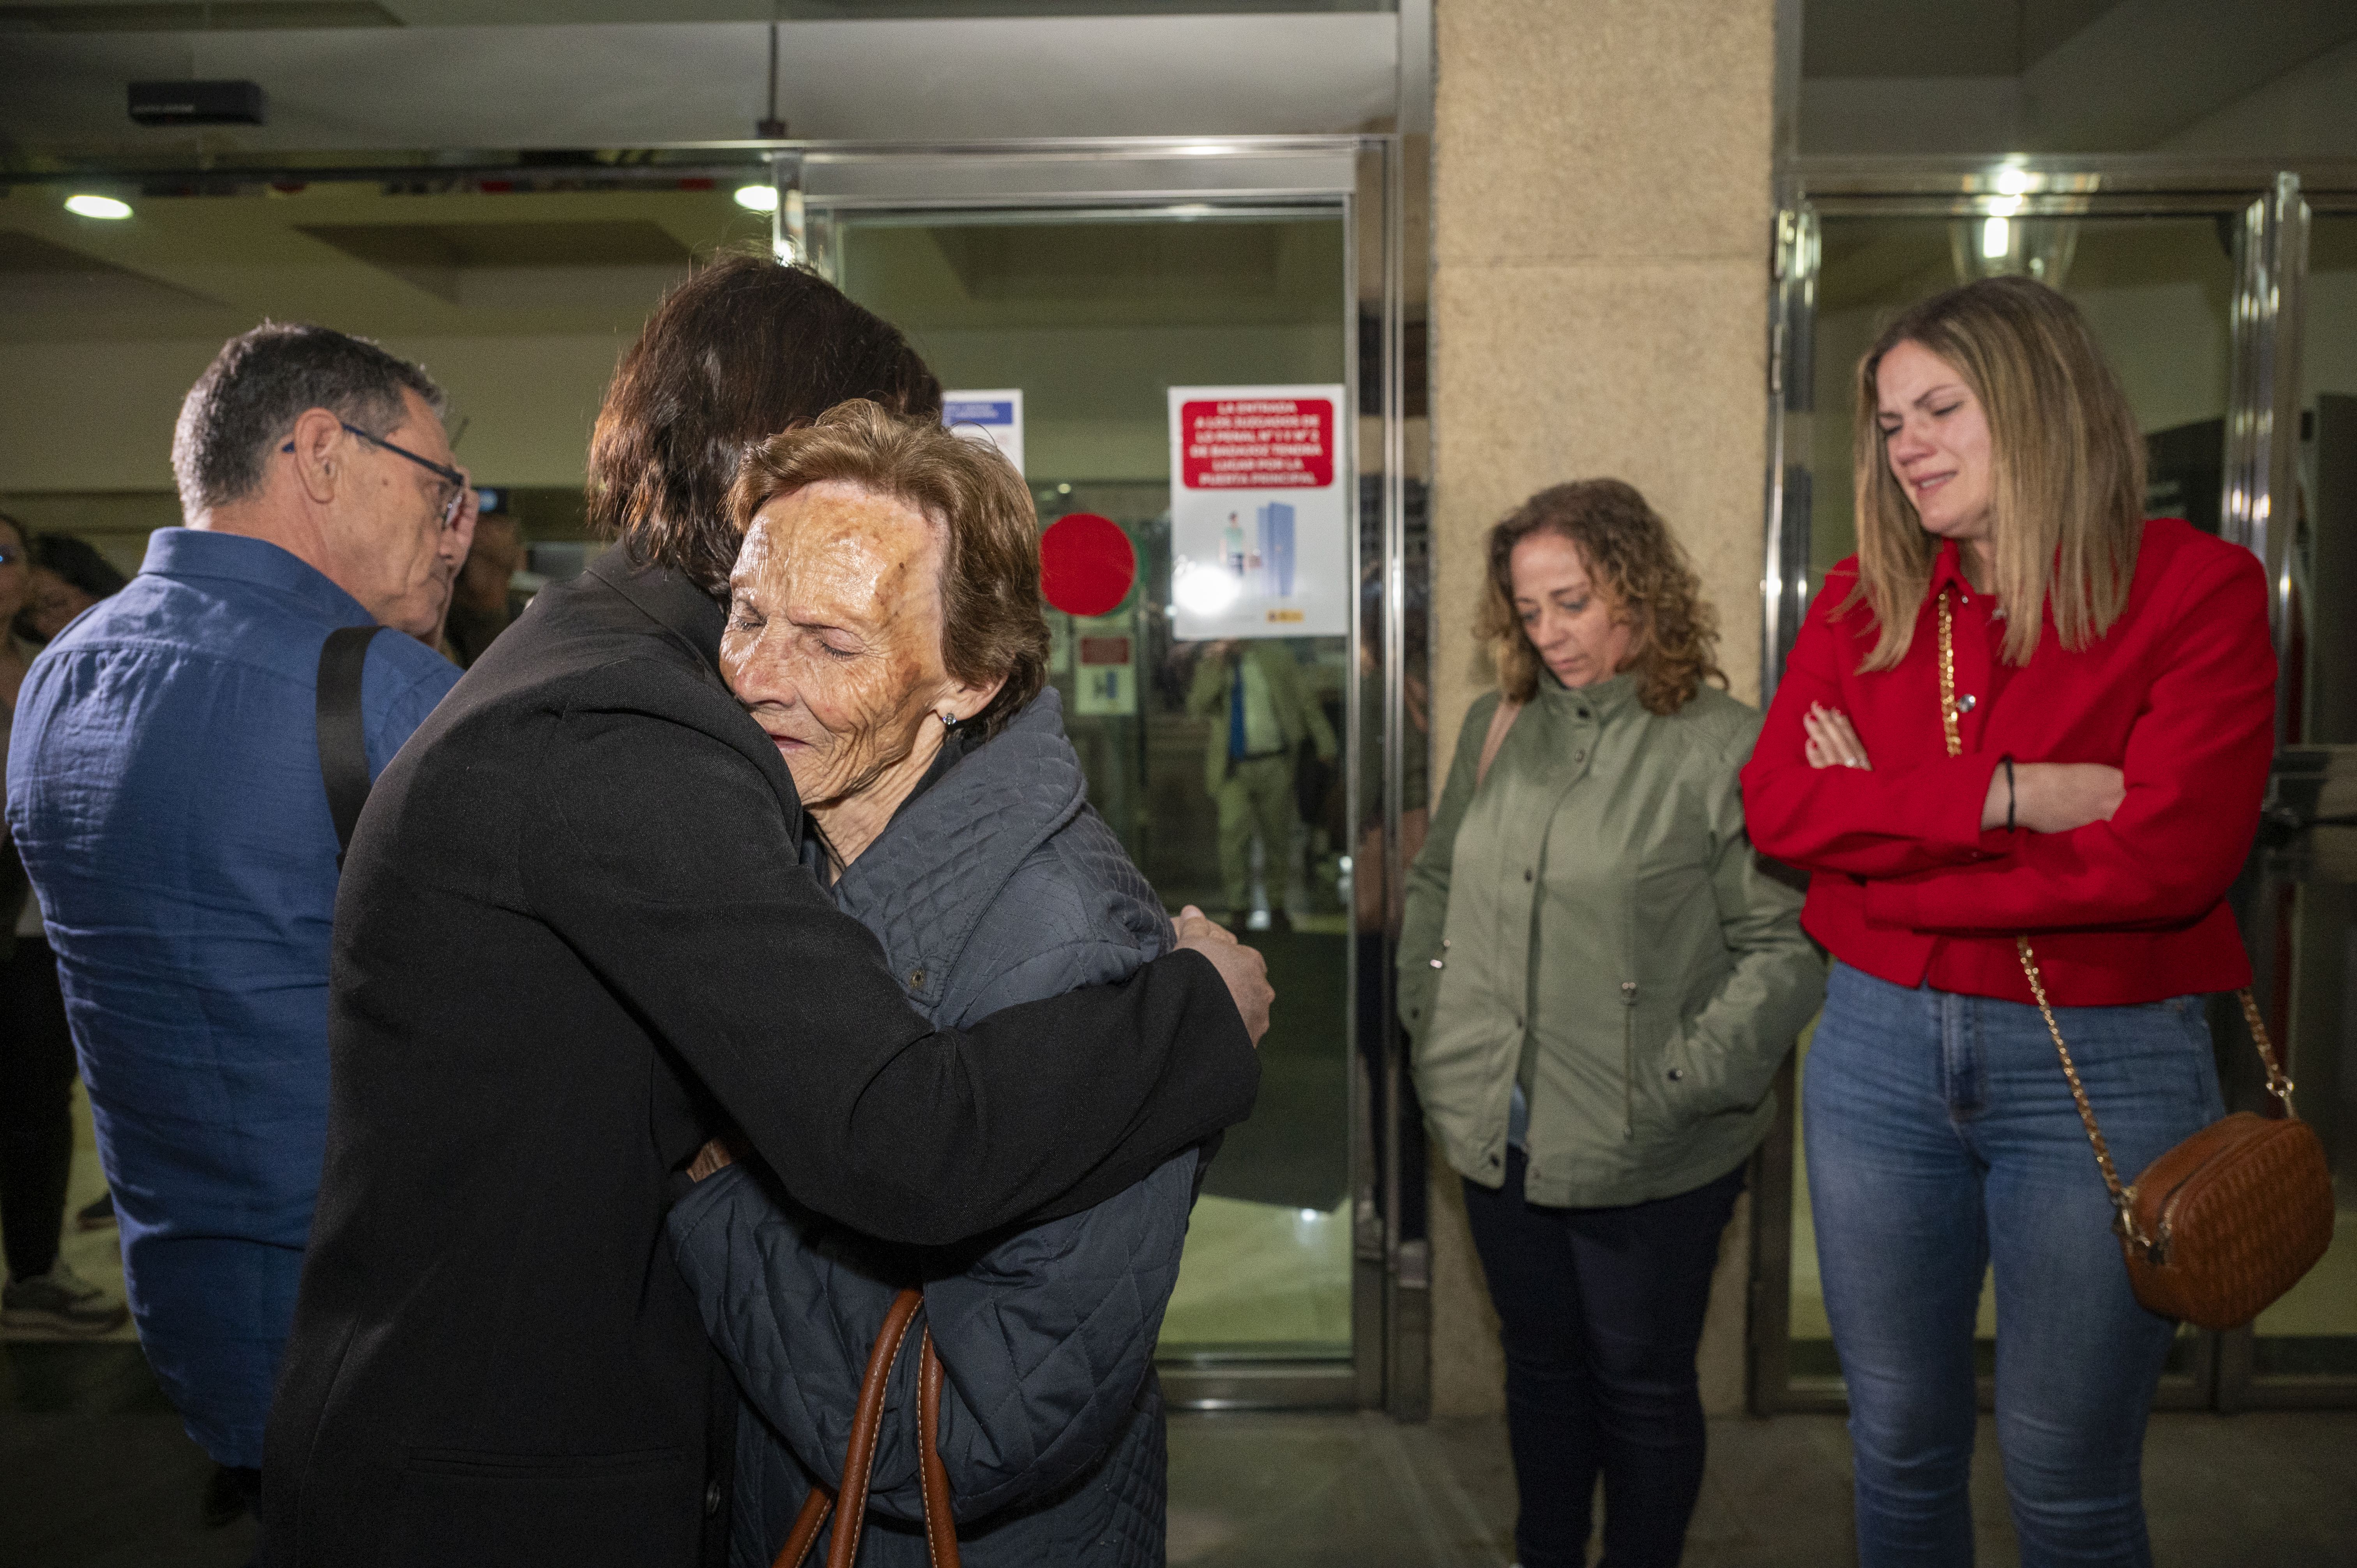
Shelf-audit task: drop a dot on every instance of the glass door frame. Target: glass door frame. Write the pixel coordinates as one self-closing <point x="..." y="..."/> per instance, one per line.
<point x="2269" y="205"/>
<point x="1368" y="181"/>
<point x="1378" y="185"/>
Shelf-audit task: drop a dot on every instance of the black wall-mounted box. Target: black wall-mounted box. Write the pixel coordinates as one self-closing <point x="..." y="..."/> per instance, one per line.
<point x="197" y="103"/>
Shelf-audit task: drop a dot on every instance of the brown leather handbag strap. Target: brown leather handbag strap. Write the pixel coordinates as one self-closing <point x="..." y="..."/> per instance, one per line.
<point x="1501" y="721"/>
<point x="859" y="1460"/>
<point x="2123" y="1193"/>
<point x="941" y="1519"/>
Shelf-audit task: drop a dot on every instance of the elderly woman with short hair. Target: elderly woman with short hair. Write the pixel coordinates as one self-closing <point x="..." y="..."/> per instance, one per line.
<point x="1600" y="979"/>
<point x="884" y="629"/>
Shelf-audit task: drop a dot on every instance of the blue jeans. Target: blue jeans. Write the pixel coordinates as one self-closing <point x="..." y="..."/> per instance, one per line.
<point x="1941" y="1137"/>
<point x="1600" y="1311"/>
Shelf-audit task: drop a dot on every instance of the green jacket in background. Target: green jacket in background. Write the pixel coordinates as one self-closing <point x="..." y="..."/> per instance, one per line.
<point x="1593" y="920"/>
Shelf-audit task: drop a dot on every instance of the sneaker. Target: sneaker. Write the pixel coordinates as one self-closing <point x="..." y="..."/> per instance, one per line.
<point x="98" y="1216"/>
<point x="62" y="1302"/>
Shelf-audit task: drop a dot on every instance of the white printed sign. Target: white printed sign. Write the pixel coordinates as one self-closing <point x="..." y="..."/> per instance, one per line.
<point x="992" y="416"/>
<point x="1105" y="680"/>
<point x="1260" y="513"/>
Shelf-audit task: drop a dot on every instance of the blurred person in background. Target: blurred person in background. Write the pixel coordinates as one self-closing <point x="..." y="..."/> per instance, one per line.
<point x="1600" y="979"/>
<point x="1260" y="711"/>
<point x="485" y="602"/>
<point x="164" y="790"/>
<point x="2092" y="782"/>
<point x="68" y="575"/>
<point x="36" y="1052"/>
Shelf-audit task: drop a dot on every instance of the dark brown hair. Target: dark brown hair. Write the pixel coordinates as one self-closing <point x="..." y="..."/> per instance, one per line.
<point x="2067" y="469"/>
<point x="1637" y="565"/>
<point x="743" y="350"/>
<point x="991" y="620"/>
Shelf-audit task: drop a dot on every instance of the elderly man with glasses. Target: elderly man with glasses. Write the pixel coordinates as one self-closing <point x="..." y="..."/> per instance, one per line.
<point x="165" y="789"/>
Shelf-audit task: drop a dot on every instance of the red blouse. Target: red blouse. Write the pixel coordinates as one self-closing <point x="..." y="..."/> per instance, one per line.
<point x="2178" y="696"/>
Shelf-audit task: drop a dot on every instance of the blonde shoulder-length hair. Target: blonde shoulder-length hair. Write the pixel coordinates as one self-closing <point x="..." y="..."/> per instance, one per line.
<point x="2067" y="470"/>
<point x="1636" y="566"/>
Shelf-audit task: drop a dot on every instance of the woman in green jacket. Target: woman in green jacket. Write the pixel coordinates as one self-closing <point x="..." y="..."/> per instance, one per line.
<point x="1600" y="979"/>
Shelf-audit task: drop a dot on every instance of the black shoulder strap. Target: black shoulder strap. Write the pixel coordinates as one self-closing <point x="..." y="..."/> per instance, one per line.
<point x="343" y="741"/>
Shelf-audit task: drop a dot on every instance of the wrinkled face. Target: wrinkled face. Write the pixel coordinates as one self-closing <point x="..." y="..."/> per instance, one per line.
<point x="409" y="559"/>
<point x="1577" y="633"/>
<point x="1935" y="436"/>
<point x="53" y="602"/>
<point x="834" y="641"/>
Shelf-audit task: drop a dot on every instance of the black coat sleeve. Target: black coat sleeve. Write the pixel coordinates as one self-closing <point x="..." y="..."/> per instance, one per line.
<point x="663" y="857"/>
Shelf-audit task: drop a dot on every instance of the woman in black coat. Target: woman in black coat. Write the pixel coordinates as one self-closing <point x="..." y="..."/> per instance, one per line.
<point x="575" y="936"/>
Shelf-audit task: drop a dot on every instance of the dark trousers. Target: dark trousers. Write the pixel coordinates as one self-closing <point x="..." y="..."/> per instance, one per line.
<point x="36" y="1074"/>
<point x="1602" y="1311"/>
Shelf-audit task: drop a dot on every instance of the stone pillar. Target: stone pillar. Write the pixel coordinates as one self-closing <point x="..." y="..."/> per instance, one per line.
<point x="1599" y="308"/>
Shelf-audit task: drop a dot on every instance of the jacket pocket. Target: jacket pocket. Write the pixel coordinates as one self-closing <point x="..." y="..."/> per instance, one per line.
<point x="461" y="1506"/>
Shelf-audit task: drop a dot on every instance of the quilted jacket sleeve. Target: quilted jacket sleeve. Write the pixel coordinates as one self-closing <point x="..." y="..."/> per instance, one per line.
<point x="1045" y="1335"/>
<point x="1044" y="1342"/>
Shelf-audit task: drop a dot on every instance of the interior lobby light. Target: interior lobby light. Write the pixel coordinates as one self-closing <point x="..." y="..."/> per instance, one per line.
<point x="1996" y="238"/>
<point x="758" y="197"/>
<point x="97" y="207"/>
<point x="2012" y="180"/>
<point x="1202" y="589"/>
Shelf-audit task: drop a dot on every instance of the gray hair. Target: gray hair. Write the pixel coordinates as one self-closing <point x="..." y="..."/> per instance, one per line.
<point x="261" y="382"/>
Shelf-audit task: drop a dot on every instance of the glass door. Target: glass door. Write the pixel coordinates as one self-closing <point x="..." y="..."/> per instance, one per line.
<point x="1081" y="287"/>
<point x="2302" y="919"/>
<point x="1084" y="279"/>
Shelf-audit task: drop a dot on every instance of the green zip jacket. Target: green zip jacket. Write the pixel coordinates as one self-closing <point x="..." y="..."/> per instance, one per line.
<point x="1592" y="919"/>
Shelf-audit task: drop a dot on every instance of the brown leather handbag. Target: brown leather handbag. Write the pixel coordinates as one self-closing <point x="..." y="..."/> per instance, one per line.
<point x="2217" y="1229"/>
<point x="866" y="1429"/>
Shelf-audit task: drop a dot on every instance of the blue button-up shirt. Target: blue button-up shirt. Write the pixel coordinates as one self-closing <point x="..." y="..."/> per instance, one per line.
<point x="164" y="791"/>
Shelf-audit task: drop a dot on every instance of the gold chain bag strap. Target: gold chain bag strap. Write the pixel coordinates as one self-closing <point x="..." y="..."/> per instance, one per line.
<point x="866" y="1431"/>
<point x="2219" y="1228"/>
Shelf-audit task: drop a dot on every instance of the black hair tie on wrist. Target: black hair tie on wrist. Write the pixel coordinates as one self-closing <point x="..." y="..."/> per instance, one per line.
<point x="2010" y="800"/>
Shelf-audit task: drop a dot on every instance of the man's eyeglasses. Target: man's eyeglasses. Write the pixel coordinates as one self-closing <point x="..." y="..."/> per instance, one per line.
<point x="448" y="476"/>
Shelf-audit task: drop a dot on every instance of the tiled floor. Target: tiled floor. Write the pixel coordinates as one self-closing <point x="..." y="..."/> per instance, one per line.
<point x="95" y="1474"/>
<point x="2273" y="1490"/>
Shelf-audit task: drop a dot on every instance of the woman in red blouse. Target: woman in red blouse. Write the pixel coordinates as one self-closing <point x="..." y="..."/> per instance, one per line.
<point x="2114" y="697"/>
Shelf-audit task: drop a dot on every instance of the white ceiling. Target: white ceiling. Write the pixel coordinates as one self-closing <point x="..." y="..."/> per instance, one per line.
<point x="651" y="84"/>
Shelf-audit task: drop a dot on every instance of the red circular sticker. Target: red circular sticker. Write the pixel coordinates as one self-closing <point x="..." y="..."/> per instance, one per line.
<point x="1086" y="563"/>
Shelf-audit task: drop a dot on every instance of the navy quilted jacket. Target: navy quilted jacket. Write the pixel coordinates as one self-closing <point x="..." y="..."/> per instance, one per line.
<point x="998" y="885"/>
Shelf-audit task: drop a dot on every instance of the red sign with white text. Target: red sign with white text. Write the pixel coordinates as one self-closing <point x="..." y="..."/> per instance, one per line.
<point x="1256" y="443"/>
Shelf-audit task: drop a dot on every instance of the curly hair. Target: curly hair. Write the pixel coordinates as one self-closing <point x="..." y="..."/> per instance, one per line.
<point x="1642" y="572"/>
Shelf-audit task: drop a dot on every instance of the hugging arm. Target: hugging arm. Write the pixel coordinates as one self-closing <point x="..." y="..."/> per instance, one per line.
<point x="661" y="857"/>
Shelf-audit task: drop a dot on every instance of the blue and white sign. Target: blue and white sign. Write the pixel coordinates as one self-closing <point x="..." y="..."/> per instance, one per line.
<point x="992" y="416"/>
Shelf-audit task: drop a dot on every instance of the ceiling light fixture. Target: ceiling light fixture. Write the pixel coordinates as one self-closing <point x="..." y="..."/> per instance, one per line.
<point x="97" y="207"/>
<point x="758" y="197"/>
